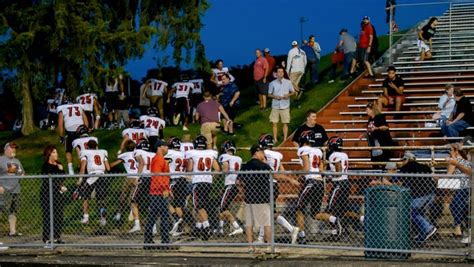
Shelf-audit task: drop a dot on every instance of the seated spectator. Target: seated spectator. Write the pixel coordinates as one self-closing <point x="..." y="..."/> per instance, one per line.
<point x="446" y="105"/>
<point x="230" y="101"/>
<point x="460" y="118"/>
<point x="378" y="133"/>
<point x="392" y="90"/>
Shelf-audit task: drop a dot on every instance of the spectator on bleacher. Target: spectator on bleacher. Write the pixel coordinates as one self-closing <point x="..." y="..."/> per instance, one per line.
<point x="311" y="125"/>
<point x="295" y="66"/>
<point x="349" y="46"/>
<point x="458" y="164"/>
<point x="271" y="64"/>
<point x="366" y="39"/>
<point x="312" y="51"/>
<point x="446" y="105"/>
<point x="260" y="73"/>
<point x="378" y="133"/>
<point x="337" y="58"/>
<point x="425" y="43"/>
<point x="52" y="166"/>
<point x="230" y="101"/>
<point x="392" y="87"/>
<point x="280" y="90"/>
<point x="460" y="118"/>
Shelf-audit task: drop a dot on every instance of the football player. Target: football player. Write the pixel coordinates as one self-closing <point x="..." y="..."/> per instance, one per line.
<point x="312" y="193"/>
<point x="155" y="90"/>
<point x="70" y="117"/>
<point x="339" y="198"/>
<point x="153" y="125"/>
<point x="217" y="73"/>
<point x="229" y="163"/>
<point x="181" y="90"/>
<point x="196" y="96"/>
<point x="201" y="160"/>
<point x="91" y="106"/>
<point x="94" y="161"/>
<point x="274" y="161"/>
<point x="135" y="133"/>
<point x="80" y="143"/>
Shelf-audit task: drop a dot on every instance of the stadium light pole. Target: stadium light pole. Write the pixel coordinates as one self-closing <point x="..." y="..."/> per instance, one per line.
<point x="302" y="20"/>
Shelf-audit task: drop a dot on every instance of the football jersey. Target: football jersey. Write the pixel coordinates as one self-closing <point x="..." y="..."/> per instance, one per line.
<point x="235" y="163"/>
<point x="152" y="124"/>
<point x="95" y="159"/>
<point x="186" y="146"/>
<point x="341" y="157"/>
<point x="81" y="143"/>
<point x="202" y="163"/>
<point x="52" y="105"/>
<point x="87" y="101"/>
<point x="135" y="134"/>
<point x="147" y="157"/>
<point x="157" y="87"/>
<point x="198" y="84"/>
<point x="273" y="159"/>
<point x="72" y="114"/>
<point x="220" y="73"/>
<point x="129" y="163"/>
<point x="314" y="156"/>
<point x="176" y="162"/>
<point x="183" y="89"/>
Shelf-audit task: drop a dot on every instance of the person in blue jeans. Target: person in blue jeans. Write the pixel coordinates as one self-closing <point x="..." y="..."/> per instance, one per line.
<point x="461" y="116"/>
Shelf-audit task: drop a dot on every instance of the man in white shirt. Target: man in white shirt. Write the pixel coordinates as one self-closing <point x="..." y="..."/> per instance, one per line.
<point x="295" y="65"/>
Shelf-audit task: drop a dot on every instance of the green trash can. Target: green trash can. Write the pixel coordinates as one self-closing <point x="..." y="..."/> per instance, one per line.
<point x="387" y="221"/>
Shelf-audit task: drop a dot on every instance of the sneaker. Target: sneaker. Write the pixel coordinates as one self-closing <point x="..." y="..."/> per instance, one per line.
<point x="219" y="231"/>
<point x="259" y="240"/>
<point x="102" y="221"/>
<point x="177" y="233"/>
<point x="135" y="228"/>
<point x="330" y="81"/>
<point x="176" y="119"/>
<point x="85" y="220"/>
<point x="294" y="234"/>
<point x="118" y="217"/>
<point x="237" y="231"/>
<point x="185" y="128"/>
<point x="430" y="233"/>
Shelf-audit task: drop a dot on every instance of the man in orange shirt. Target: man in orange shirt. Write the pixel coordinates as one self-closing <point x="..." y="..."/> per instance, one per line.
<point x="158" y="197"/>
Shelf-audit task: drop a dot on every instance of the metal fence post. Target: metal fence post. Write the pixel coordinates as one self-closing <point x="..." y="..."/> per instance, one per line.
<point x="471" y="209"/>
<point x="390" y="25"/>
<point x="272" y="212"/>
<point x="450" y="22"/>
<point x="51" y="213"/>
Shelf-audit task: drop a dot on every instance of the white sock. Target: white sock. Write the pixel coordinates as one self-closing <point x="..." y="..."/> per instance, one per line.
<point x="332" y="219"/>
<point x="136" y="222"/>
<point x="283" y="222"/>
<point x="180" y="220"/>
<point x="86" y="216"/>
<point x="70" y="168"/>
<point x="302" y="234"/>
<point x="198" y="225"/>
<point x="221" y="224"/>
<point x="205" y="224"/>
<point x="236" y="225"/>
<point x="362" y="219"/>
<point x="261" y="232"/>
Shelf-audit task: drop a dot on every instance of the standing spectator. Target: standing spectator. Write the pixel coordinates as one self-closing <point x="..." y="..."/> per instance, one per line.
<point x="256" y="189"/>
<point x="159" y="193"/>
<point x="70" y="117"/>
<point x="217" y="74"/>
<point x="446" y="105"/>
<point x="230" y="102"/>
<point x="295" y="66"/>
<point x="422" y="191"/>
<point x="458" y="164"/>
<point x="336" y="58"/>
<point x="313" y="55"/>
<point x="10" y="165"/>
<point x="260" y="73"/>
<point x="425" y="42"/>
<point x="207" y="113"/>
<point x="378" y="133"/>
<point x="349" y="46"/>
<point x="392" y="87"/>
<point x="52" y="166"/>
<point x="123" y="105"/>
<point x="311" y="125"/>
<point x="390" y="11"/>
<point x="271" y="63"/>
<point x="111" y="93"/>
<point x="280" y="90"/>
<point x="460" y="118"/>
<point x="366" y="38"/>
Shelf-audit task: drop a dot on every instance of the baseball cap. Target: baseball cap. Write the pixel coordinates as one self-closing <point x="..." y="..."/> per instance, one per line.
<point x="366" y="18"/>
<point x="390" y="166"/>
<point x="10" y="144"/>
<point x="294" y="43"/>
<point x="255" y="148"/>
<point x="408" y="155"/>
<point x="266" y="50"/>
<point x="342" y="30"/>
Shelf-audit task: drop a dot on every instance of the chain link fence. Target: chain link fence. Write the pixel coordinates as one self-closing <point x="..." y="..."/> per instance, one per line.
<point x="388" y="214"/>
